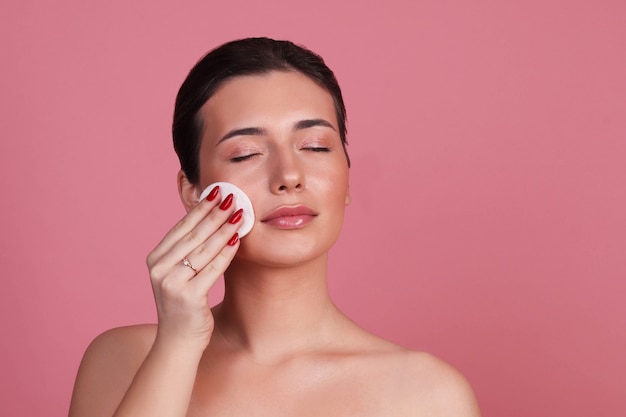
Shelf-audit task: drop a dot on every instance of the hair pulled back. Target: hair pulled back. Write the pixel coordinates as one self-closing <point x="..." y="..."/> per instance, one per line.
<point x="242" y="57"/>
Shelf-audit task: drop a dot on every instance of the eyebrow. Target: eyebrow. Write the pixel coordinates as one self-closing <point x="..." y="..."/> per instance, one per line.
<point x="246" y="131"/>
<point x="305" y="124"/>
<point x="258" y="131"/>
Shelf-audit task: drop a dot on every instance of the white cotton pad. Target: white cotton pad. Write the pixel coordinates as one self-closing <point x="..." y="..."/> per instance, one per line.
<point x="241" y="201"/>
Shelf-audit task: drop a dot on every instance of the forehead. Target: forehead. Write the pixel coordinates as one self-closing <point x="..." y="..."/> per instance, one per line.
<point x="272" y="101"/>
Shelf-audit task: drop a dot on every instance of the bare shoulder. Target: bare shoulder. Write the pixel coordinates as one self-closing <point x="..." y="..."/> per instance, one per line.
<point x="123" y="340"/>
<point x="411" y="383"/>
<point x="108" y="367"/>
<point x="433" y="387"/>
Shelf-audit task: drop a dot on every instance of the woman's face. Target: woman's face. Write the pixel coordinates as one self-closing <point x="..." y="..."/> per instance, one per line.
<point x="276" y="137"/>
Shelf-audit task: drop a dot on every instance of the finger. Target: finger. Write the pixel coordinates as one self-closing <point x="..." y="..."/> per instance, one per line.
<point x="210" y="235"/>
<point x="207" y="276"/>
<point x="184" y="226"/>
<point x="205" y="253"/>
<point x="183" y="276"/>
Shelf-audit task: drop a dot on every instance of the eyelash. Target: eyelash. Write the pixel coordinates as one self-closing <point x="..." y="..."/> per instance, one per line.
<point x="317" y="149"/>
<point x="310" y="148"/>
<point x="242" y="158"/>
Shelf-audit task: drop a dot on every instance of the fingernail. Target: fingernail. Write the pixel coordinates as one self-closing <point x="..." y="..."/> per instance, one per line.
<point x="233" y="239"/>
<point x="236" y="216"/>
<point x="227" y="202"/>
<point x="213" y="193"/>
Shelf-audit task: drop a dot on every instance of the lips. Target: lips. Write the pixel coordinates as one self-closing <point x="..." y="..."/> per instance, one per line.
<point x="290" y="217"/>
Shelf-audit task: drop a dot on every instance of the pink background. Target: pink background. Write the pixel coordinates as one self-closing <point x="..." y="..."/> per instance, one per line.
<point x="487" y="226"/>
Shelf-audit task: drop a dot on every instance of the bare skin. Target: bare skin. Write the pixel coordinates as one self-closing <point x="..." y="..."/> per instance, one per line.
<point x="276" y="345"/>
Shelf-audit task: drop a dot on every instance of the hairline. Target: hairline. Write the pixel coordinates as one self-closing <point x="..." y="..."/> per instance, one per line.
<point x="198" y="118"/>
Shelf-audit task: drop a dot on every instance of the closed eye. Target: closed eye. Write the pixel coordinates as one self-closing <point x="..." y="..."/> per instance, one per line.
<point x="317" y="149"/>
<point x="243" y="158"/>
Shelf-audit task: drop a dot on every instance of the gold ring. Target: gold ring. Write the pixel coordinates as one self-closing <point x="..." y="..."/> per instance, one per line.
<point x="187" y="263"/>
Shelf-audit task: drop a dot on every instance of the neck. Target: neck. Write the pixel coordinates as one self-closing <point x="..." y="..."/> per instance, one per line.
<point x="271" y="311"/>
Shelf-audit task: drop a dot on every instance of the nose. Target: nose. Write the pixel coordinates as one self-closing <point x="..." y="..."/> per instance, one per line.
<point x="287" y="174"/>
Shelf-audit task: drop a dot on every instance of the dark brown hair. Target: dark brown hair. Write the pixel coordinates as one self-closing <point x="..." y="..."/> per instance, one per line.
<point x="238" y="58"/>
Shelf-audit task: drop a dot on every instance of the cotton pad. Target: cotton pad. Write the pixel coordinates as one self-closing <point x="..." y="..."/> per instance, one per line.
<point x="241" y="201"/>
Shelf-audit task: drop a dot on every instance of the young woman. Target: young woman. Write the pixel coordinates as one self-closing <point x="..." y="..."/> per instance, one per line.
<point x="267" y="116"/>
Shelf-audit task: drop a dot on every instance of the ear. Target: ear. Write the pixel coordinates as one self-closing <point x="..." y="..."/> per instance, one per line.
<point x="188" y="192"/>
<point x="348" y="198"/>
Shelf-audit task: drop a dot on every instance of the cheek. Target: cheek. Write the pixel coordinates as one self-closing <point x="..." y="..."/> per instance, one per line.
<point x="335" y="187"/>
<point x="214" y="171"/>
<point x="208" y="173"/>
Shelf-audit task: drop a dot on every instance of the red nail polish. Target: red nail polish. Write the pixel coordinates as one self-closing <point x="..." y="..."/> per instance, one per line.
<point x="233" y="239"/>
<point x="236" y="216"/>
<point x="227" y="202"/>
<point x="213" y="193"/>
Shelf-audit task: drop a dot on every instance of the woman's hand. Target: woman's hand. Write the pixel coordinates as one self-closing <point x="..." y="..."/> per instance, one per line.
<point x="186" y="264"/>
<point x="121" y="375"/>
